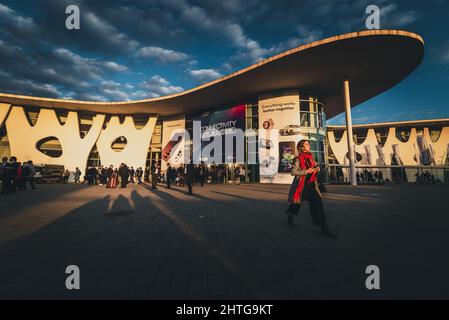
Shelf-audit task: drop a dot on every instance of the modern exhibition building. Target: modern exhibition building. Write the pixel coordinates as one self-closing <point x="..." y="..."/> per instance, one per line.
<point x="293" y="93"/>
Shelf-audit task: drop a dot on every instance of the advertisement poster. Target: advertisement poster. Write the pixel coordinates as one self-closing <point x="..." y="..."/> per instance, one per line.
<point x="280" y="129"/>
<point x="226" y="122"/>
<point x="173" y="142"/>
<point x="286" y="156"/>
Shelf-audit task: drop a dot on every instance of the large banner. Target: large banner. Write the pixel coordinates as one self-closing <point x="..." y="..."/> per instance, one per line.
<point x="224" y="123"/>
<point x="279" y="133"/>
<point x="173" y="142"/>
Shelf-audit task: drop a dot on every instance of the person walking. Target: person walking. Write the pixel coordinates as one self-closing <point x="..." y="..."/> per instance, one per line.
<point x="304" y="188"/>
<point x="190" y="175"/>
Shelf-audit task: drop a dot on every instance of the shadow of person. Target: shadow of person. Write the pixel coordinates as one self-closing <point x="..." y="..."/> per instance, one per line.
<point x="120" y="207"/>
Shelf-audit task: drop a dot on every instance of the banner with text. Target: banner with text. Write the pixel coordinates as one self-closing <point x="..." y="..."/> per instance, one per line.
<point x="279" y="133"/>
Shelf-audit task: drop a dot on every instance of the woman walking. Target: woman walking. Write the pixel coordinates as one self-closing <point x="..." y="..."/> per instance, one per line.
<point x="305" y="188"/>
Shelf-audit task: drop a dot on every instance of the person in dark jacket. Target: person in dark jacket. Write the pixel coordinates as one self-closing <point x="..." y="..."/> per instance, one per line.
<point x="123" y="172"/>
<point x="189" y="172"/>
<point x="154" y="175"/>
<point x="169" y="175"/>
<point x="13" y="170"/>
<point x="6" y="178"/>
<point x="305" y="188"/>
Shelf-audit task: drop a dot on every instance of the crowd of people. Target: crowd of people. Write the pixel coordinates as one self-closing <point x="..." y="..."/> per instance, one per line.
<point x="110" y="176"/>
<point x="16" y="175"/>
<point x="183" y="175"/>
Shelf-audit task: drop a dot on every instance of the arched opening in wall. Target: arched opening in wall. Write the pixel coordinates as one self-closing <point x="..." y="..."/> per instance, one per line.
<point x="5" y="150"/>
<point x="119" y="144"/>
<point x="155" y="149"/>
<point x="419" y="131"/>
<point x="85" y="122"/>
<point x="121" y="118"/>
<point x="435" y="133"/>
<point x="62" y="116"/>
<point x="32" y="113"/>
<point x="94" y="158"/>
<point x="381" y="135"/>
<point x="360" y="135"/>
<point x="140" y="121"/>
<point x="338" y="134"/>
<point x="403" y="133"/>
<point x="50" y="146"/>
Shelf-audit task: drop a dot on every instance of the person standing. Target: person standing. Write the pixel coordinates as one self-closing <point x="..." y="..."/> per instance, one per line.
<point x="103" y="175"/>
<point x="109" y="173"/>
<point x="190" y="175"/>
<point x="132" y="172"/>
<point x="237" y="176"/>
<point x="20" y="179"/>
<point x="242" y="174"/>
<point x="13" y="170"/>
<point x="201" y="173"/>
<point x="169" y="175"/>
<point x="77" y="175"/>
<point x="123" y="172"/>
<point x="154" y="175"/>
<point x="29" y="172"/>
<point x="112" y="180"/>
<point x="66" y="176"/>
<point x="304" y="188"/>
<point x="4" y="172"/>
<point x="139" y="174"/>
<point x="90" y="176"/>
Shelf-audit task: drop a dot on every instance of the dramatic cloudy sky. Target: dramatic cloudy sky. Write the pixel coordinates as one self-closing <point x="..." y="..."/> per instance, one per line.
<point x="138" y="49"/>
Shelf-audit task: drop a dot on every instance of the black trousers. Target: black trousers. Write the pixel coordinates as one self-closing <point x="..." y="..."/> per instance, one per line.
<point x="153" y="181"/>
<point x="189" y="182"/>
<point x="311" y="195"/>
<point x="168" y="182"/>
<point x="6" y="184"/>
<point x="124" y="181"/>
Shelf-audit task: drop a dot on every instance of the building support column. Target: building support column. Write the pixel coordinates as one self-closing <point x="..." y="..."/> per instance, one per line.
<point x="352" y="172"/>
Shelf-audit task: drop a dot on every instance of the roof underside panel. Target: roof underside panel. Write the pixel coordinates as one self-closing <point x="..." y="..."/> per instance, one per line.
<point x="373" y="61"/>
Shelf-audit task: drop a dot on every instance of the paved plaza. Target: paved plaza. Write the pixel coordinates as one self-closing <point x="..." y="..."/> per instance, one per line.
<point x="225" y="241"/>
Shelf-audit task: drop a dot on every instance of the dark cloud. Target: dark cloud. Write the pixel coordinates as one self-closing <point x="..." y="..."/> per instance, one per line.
<point x="121" y="37"/>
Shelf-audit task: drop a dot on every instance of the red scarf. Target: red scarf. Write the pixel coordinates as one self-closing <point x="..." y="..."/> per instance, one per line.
<point x="306" y="162"/>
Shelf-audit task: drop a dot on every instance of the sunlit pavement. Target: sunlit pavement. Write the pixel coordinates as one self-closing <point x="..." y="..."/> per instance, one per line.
<point x="225" y="241"/>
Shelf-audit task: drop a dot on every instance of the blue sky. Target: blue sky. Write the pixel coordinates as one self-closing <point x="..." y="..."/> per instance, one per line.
<point x="128" y="50"/>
